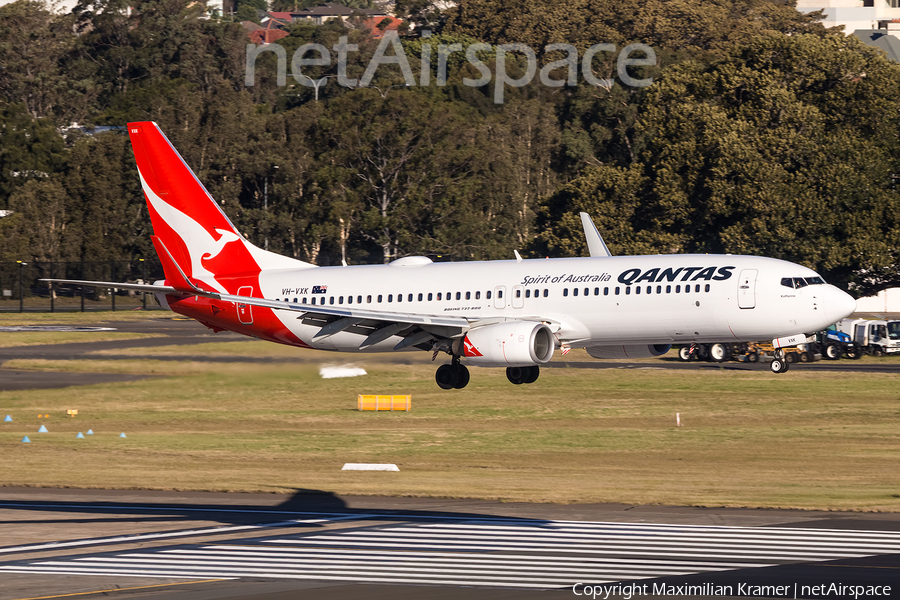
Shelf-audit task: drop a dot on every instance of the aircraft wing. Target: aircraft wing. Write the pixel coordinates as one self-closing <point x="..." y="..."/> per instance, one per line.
<point x="596" y="245"/>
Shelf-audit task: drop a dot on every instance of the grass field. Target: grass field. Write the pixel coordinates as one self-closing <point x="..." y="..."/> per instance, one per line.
<point x="98" y="318"/>
<point x="799" y="440"/>
<point x="10" y="339"/>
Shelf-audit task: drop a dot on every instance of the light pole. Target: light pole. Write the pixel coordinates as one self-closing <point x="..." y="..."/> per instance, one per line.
<point x="21" y="285"/>
<point x="316" y="83"/>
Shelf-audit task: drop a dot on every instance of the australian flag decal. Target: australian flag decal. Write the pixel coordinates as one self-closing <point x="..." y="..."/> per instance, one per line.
<point x="319" y="289"/>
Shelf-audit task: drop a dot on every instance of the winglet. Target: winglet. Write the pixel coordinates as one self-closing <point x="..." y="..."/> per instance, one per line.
<point x="595" y="243"/>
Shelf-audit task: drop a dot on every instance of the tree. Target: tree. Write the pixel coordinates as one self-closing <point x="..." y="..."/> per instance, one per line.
<point x="669" y="24"/>
<point x="33" y="43"/>
<point x="784" y="147"/>
<point x="30" y="149"/>
<point x="43" y="206"/>
<point x="409" y="168"/>
<point x="106" y="213"/>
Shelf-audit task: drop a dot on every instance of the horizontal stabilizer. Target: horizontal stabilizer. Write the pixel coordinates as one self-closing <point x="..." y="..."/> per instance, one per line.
<point x="138" y="287"/>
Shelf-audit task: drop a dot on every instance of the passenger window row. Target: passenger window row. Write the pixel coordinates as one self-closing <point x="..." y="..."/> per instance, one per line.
<point x="450" y="296"/>
<point x="637" y="290"/>
<point x="421" y="297"/>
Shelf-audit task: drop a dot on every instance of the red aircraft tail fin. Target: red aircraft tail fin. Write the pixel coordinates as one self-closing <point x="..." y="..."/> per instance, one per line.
<point x="201" y="241"/>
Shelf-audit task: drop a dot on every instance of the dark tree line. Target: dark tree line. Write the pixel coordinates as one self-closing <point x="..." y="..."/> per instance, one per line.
<point x="763" y="133"/>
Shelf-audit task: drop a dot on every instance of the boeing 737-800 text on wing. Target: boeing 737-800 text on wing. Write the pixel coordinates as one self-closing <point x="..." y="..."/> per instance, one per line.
<point x="510" y="313"/>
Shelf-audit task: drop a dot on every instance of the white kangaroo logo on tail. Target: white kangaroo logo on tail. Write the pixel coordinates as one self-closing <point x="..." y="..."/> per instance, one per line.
<point x="200" y="244"/>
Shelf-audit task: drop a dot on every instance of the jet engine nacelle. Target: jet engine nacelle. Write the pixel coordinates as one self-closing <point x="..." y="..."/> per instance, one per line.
<point x="628" y="351"/>
<point x="513" y="344"/>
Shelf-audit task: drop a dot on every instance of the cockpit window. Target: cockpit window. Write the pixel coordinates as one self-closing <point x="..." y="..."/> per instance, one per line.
<point x="800" y="282"/>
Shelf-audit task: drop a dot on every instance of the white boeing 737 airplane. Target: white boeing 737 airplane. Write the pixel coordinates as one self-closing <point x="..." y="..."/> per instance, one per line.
<point x="511" y="313"/>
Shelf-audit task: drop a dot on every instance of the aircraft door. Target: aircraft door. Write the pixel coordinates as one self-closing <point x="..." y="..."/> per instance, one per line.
<point x="245" y="311"/>
<point x="500" y="296"/>
<point x="518" y="296"/>
<point x="747" y="288"/>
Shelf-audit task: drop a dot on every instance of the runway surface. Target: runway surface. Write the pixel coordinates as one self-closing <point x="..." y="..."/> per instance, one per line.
<point x="319" y="546"/>
<point x="189" y="332"/>
<point x="84" y="543"/>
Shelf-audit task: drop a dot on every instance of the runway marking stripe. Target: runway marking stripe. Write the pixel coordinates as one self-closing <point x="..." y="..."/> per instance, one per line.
<point x="510" y="559"/>
<point x="168" y="534"/>
<point x="667" y="539"/>
<point x="350" y="539"/>
<point x="551" y="554"/>
<point x="446" y="546"/>
<point x="736" y="534"/>
<point x="574" y="565"/>
<point x="415" y="517"/>
<point x="465" y="522"/>
<point x="238" y="572"/>
<point x="491" y="572"/>
<point x="26" y="570"/>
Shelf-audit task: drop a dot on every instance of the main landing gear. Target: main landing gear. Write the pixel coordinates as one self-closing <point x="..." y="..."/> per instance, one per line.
<point x="454" y="375"/>
<point x="519" y="375"/>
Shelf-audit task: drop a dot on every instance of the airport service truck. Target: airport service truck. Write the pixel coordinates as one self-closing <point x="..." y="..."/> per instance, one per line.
<point x="873" y="337"/>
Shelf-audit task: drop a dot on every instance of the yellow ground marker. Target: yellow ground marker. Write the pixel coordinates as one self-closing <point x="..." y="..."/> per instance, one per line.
<point x="375" y="402"/>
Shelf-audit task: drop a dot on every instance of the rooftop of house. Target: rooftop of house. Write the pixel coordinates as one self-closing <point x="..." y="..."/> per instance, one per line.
<point x="880" y="38"/>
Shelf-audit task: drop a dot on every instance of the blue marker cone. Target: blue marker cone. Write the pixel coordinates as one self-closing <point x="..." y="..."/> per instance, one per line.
<point x="90" y="432"/>
<point x="80" y="435"/>
<point x="43" y="430"/>
<point x="122" y="434"/>
<point x="8" y="419"/>
<point x="26" y="440"/>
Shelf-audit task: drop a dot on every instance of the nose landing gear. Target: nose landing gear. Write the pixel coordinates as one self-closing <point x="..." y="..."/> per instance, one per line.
<point x="780" y="365"/>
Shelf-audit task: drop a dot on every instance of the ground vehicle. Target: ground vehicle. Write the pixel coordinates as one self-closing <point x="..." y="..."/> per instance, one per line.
<point x="872" y="337"/>
<point x="836" y="343"/>
<point x="748" y="351"/>
<point x="712" y="352"/>
<point x="791" y="354"/>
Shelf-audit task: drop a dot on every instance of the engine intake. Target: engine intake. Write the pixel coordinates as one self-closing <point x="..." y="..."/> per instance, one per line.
<point x="628" y="351"/>
<point x="514" y="344"/>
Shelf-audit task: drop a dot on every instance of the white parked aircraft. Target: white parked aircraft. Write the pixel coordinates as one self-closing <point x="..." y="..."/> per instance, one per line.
<point x="511" y="314"/>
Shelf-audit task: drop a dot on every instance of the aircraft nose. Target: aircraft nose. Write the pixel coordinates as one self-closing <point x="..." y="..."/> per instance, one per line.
<point x="838" y="304"/>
